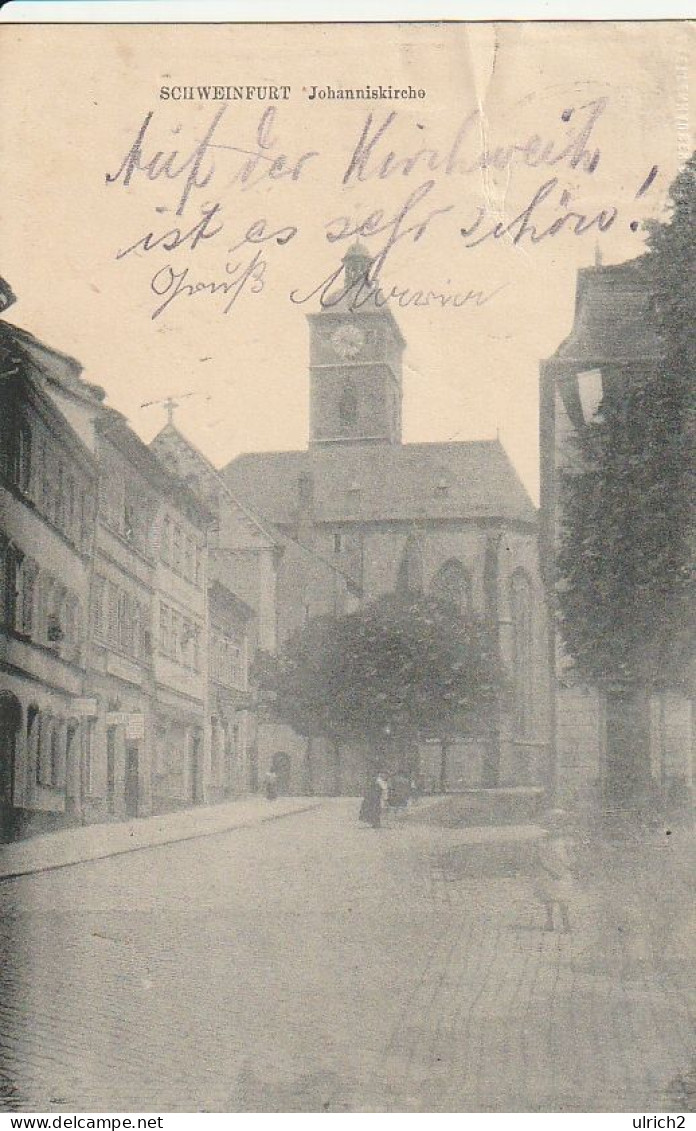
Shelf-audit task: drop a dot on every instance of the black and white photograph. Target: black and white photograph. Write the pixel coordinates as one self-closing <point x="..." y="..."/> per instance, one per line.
<point x="347" y="531"/>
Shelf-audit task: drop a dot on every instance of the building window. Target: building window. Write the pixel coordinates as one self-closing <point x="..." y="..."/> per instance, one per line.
<point x="33" y="739"/>
<point x="38" y="454"/>
<point x="72" y="627"/>
<point x="188" y="559"/>
<point x="176" y="549"/>
<point x="10" y="572"/>
<point x="86" y="519"/>
<point x="59" y="512"/>
<point x="176" y="636"/>
<point x="165" y="548"/>
<point x="19" y="454"/>
<point x="47" y="481"/>
<point x="113" y="614"/>
<point x="112" y="497"/>
<point x="129" y="520"/>
<point x="70" y="507"/>
<point x="164" y="629"/>
<point x="54" y="755"/>
<point x="137" y="629"/>
<point x="452" y="586"/>
<point x="236" y="666"/>
<point x="55" y="628"/>
<point x="354" y="493"/>
<point x="186" y="643"/>
<point x="348" y="408"/>
<point x="31" y="573"/>
<point x="88" y="756"/>
<point x="46" y="584"/>
<point x="521" y="611"/>
<point x="98" y="590"/>
<point x="47" y="750"/>
<point x="123" y="626"/>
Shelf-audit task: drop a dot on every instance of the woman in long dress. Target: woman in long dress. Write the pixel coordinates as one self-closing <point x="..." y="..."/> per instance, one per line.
<point x="374" y="801"/>
<point x="555" y="885"/>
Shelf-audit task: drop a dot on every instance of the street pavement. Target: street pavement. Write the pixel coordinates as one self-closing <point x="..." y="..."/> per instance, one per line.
<point x="76" y="845"/>
<point x="314" y="964"/>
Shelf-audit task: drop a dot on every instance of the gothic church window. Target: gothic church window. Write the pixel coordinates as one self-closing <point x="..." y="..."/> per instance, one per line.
<point x="410" y="576"/>
<point x="452" y="586"/>
<point x="521" y="608"/>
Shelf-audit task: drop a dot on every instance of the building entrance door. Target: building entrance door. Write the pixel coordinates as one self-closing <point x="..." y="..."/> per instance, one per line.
<point x="282" y="767"/>
<point x="10" y="721"/>
<point x="195" y="774"/>
<point x="110" y="769"/>
<point x="131" y="785"/>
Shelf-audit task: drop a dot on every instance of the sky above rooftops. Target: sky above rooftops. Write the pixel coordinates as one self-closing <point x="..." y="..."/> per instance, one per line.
<point x="75" y="113"/>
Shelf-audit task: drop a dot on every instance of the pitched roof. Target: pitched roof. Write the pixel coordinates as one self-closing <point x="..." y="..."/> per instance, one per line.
<point x="169" y="441"/>
<point x="613" y="316"/>
<point x="372" y="482"/>
<point x="55" y="366"/>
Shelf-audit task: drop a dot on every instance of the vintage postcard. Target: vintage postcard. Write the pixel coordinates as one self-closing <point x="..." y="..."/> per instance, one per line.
<point x="346" y="525"/>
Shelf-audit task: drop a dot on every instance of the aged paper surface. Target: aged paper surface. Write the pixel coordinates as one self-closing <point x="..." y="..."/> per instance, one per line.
<point x="175" y="201"/>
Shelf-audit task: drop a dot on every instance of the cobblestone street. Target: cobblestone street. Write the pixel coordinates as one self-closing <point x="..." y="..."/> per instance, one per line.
<point x="311" y="964"/>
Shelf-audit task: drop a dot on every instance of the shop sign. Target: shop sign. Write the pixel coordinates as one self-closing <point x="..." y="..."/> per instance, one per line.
<point x="88" y="708"/>
<point x="135" y="727"/>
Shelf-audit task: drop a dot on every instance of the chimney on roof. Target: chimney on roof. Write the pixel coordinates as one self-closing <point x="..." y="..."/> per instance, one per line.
<point x="305" y="505"/>
<point x="7" y="295"/>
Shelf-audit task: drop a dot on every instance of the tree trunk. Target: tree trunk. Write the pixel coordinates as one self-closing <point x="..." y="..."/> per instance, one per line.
<point x="309" y="766"/>
<point x="628" y="781"/>
<point x="444" y="752"/>
<point x="490" y="774"/>
<point x="338" y="782"/>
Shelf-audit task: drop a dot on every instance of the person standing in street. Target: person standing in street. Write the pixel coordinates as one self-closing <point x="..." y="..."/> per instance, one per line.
<point x="375" y="800"/>
<point x="555" y="885"/>
<point x="383" y="795"/>
<point x="271" y="785"/>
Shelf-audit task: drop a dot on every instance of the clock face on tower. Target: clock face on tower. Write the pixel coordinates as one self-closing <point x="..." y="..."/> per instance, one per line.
<point x="348" y="340"/>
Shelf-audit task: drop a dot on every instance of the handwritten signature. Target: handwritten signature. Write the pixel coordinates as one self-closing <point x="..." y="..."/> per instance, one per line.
<point x="550" y="210"/>
<point x="362" y="291"/>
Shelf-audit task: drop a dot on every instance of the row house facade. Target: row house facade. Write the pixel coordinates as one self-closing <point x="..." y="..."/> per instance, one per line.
<point x="273" y="581"/>
<point x="118" y="771"/>
<point x="232" y="772"/>
<point x="48" y="483"/>
<point x="104" y="655"/>
<point x="181" y="751"/>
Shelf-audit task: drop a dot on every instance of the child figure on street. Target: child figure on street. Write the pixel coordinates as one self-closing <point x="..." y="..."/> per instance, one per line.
<point x="555" y="886"/>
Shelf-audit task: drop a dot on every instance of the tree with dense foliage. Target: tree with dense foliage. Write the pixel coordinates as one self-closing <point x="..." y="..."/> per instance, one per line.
<point x="626" y="591"/>
<point x="402" y="667"/>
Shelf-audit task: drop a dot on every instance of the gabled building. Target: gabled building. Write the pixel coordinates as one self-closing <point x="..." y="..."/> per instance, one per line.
<point x="254" y="569"/>
<point x="48" y="485"/>
<point x="613" y="337"/>
<point x="103" y="642"/>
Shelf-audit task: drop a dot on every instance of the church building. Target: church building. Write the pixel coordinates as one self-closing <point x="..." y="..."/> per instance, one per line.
<point x="388" y="514"/>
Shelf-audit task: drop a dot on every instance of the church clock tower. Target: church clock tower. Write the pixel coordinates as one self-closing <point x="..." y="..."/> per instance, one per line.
<point x="355" y="362"/>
